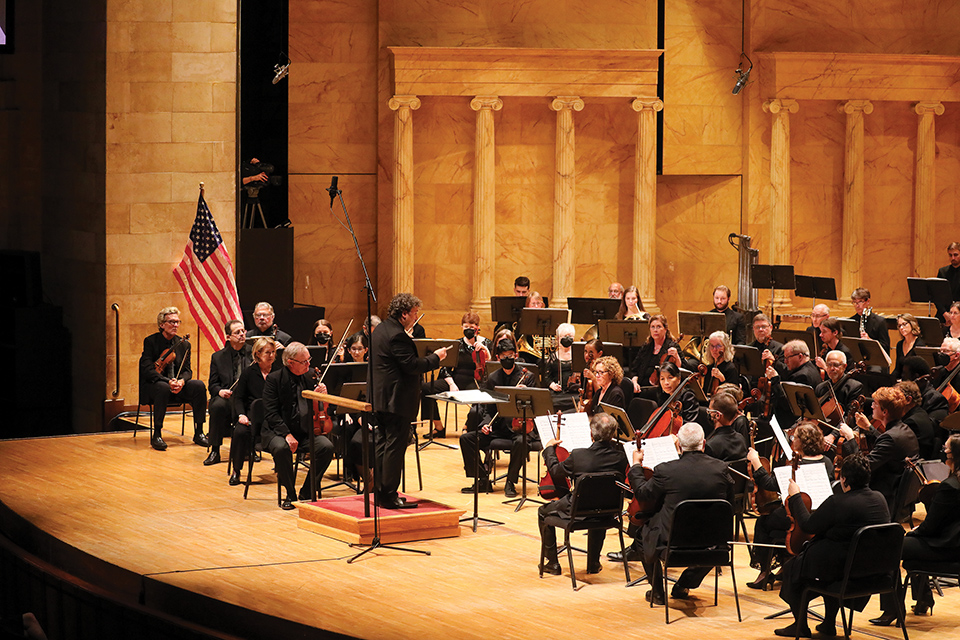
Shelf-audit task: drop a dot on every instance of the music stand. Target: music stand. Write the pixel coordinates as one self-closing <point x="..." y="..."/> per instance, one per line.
<point x="786" y="335"/>
<point x="929" y="355"/>
<point x="774" y="277"/>
<point x="931" y="330"/>
<point x="933" y="291"/>
<point x="524" y="403"/>
<point x="592" y="310"/>
<point x="506" y="309"/>
<point x="629" y="333"/>
<point x="699" y="324"/>
<point x="803" y="402"/>
<point x="625" y="425"/>
<point x="870" y="351"/>
<point x="542" y="322"/>
<point x="748" y="361"/>
<point x="849" y="327"/>
<point x="815" y="287"/>
<point x="425" y="347"/>
<point x="532" y="369"/>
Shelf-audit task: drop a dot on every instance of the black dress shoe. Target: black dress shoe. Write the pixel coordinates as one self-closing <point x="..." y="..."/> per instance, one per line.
<point x="553" y="568"/>
<point x="827" y="629"/>
<point x="656" y="597"/>
<point x="594" y="567"/>
<point x="304" y="496"/>
<point x="200" y="438"/>
<point x="287" y="504"/>
<point x="791" y="631"/>
<point x="485" y="487"/>
<point x="398" y="503"/>
<point x="764" y="581"/>
<point x="633" y="555"/>
<point x="157" y="443"/>
<point x="680" y="593"/>
<point x="886" y="619"/>
<point x="234" y="479"/>
<point x="213" y="458"/>
<point x="923" y="608"/>
<point x="510" y="490"/>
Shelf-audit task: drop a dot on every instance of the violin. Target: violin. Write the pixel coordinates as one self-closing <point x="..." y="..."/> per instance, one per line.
<point x="552" y="487"/>
<point x="948" y="392"/>
<point x="656" y="425"/>
<point x="709" y="388"/>
<point x="587" y="389"/>
<point x="639" y="512"/>
<point x="480" y="362"/>
<point x="927" y="487"/>
<point x="525" y="425"/>
<point x="796" y="536"/>
<point x="765" y="389"/>
<point x="322" y="420"/>
<point x="169" y="354"/>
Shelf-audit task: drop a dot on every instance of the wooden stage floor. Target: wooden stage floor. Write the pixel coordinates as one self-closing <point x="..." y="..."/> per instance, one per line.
<point x="166" y="517"/>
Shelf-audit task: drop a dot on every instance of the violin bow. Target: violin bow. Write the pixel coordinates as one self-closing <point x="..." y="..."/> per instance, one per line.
<point x="340" y="344"/>
<point x="184" y="361"/>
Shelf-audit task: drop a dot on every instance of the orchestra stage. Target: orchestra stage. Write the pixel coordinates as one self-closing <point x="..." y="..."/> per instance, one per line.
<point x="165" y="531"/>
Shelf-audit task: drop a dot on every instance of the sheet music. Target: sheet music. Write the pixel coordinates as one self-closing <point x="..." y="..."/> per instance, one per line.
<point x="812" y="479"/>
<point x="469" y="396"/>
<point x="781" y="438"/>
<point x="657" y="450"/>
<point x="574" y="430"/>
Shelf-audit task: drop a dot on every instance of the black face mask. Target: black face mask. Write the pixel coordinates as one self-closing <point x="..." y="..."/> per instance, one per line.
<point x="469" y="333"/>
<point x="508" y="363"/>
<point x="323" y="338"/>
<point x="566" y="342"/>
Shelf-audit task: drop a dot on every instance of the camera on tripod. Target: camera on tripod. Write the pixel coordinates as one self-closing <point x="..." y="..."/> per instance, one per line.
<point x="255" y="168"/>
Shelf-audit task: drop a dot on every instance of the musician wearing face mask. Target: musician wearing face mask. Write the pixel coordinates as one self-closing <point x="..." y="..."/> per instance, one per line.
<point x="263" y="316"/>
<point x="559" y="376"/>
<point x="485" y="425"/>
<point x="872" y="324"/>
<point x="736" y="326"/>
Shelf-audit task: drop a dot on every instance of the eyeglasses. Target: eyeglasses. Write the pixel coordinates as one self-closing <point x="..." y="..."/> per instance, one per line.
<point x="305" y="363"/>
<point x="787" y="357"/>
<point x="357" y="349"/>
<point x="262" y="315"/>
<point x="173" y="322"/>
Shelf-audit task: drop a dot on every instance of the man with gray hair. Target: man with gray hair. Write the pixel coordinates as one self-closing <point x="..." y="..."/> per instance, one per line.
<point x="603" y="455"/>
<point x="264" y="326"/>
<point x="695" y="476"/>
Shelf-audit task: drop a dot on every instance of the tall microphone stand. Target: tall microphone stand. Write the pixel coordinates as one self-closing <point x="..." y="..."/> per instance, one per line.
<point x="371" y="298"/>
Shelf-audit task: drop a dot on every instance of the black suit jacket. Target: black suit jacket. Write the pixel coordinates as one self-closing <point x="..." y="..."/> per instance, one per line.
<point x="941" y="528"/>
<point x="922" y="426"/>
<point x="876" y="328"/>
<point x="952" y="275"/>
<point x="395" y="387"/>
<point x="599" y="457"/>
<point x="726" y="444"/>
<point x="847" y="392"/>
<point x="280" y="405"/>
<point x="221" y="368"/>
<point x="282" y="336"/>
<point x="153" y="347"/>
<point x="736" y="326"/>
<point x="886" y="458"/>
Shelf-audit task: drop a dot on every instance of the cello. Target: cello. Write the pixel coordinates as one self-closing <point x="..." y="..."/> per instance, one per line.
<point x="551" y="487"/>
<point x="796" y="537"/>
<point x="948" y="392"/>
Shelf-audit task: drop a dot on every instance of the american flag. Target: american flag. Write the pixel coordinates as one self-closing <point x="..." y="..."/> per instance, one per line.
<point x="205" y="275"/>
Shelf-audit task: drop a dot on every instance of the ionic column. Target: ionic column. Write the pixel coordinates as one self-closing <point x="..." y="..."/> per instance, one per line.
<point x="484" y="203"/>
<point x="403" y="191"/>
<point x="645" y="203"/>
<point x="924" y="224"/>
<point x="853" y="210"/>
<point x="780" y="183"/>
<point x="564" y="210"/>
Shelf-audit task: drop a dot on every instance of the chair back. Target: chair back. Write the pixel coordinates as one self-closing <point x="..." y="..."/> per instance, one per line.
<point x="597" y="495"/>
<point x="740" y="478"/>
<point x="908" y="492"/>
<point x="875" y="552"/>
<point x="701" y="524"/>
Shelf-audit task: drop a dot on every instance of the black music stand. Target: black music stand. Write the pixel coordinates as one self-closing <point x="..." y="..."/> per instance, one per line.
<point x="530" y="369"/>
<point x="700" y="324"/>
<point x="870" y="352"/>
<point x="803" y="402"/>
<point x="934" y="291"/>
<point x="624" y="425"/>
<point x="929" y="355"/>
<point x="506" y="309"/>
<point x="425" y="347"/>
<point x="849" y="328"/>
<point x="353" y="390"/>
<point x="542" y="322"/>
<point x="815" y="287"/>
<point x="592" y="310"/>
<point x="774" y="277"/>
<point x="629" y="333"/>
<point x="786" y="335"/>
<point x="524" y="403"/>
<point x="931" y="330"/>
<point x="748" y="361"/>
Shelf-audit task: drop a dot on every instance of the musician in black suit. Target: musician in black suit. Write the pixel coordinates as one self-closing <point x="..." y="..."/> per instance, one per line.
<point x="288" y="422"/>
<point x="603" y="455"/>
<point x="917" y="418"/>
<point x="694" y="476"/>
<point x="916" y="369"/>
<point x="832" y="524"/>
<point x="846" y="391"/>
<point x="249" y="388"/>
<point x="395" y="391"/>
<point x="724" y="442"/>
<point x="226" y="366"/>
<point x="874" y="325"/>
<point x="796" y="367"/>
<point x="173" y="382"/>
<point x="951" y="273"/>
<point x="937" y="538"/>
<point x="830" y="339"/>
<point x="263" y="316"/>
<point x="736" y="326"/>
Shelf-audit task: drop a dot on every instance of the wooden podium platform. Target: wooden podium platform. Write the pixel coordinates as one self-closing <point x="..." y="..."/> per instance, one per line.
<point x="342" y="519"/>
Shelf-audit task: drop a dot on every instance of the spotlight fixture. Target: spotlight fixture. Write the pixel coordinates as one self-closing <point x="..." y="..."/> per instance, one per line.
<point x="742" y="76"/>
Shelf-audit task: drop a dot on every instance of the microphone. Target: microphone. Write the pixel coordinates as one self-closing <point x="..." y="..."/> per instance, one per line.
<point x="332" y="190"/>
<point x="280" y="72"/>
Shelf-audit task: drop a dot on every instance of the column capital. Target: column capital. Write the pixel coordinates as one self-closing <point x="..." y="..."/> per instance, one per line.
<point x="647" y="104"/>
<point x="923" y="108"/>
<point x="396" y="102"/>
<point x="853" y="106"/>
<point x="776" y="105"/>
<point x="567" y="102"/>
<point x="486" y="102"/>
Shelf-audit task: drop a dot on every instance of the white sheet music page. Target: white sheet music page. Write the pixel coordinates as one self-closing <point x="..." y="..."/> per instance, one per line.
<point x="811" y="478"/>
<point x="574" y="430"/>
<point x="782" y="439"/>
<point x="469" y="396"/>
<point x="657" y="450"/>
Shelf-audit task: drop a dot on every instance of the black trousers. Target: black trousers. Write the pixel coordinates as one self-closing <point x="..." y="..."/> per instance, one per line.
<point x="283" y="461"/>
<point x="392" y="436"/>
<point x="548" y="535"/>
<point x="220" y="411"/>
<point x="470" y="441"/>
<point x="915" y="548"/>
<point x="194" y="393"/>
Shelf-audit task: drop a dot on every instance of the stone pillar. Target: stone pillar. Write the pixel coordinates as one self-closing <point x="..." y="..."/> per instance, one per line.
<point x="853" y="213"/>
<point x="925" y="246"/>
<point x="484" y="204"/>
<point x="403" y="192"/>
<point x="645" y="203"/>
<point x="780" y="231"/>
<point x="564" y="207"/>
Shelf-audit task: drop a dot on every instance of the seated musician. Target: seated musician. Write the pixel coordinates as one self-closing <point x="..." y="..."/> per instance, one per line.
<point x="736" y="326"/>
<point x="608" y="375"/>
<point x="724" y="443"/>
<point x="288" y="422"/>
<point x="659" y="347"/>
<point x="226" y="365"/>
<point x="695" y="476"/>
<point x="531" y="349"/>
<point x="936" y="539"/>
<point x="165" y="381"/>
<point x="888" y="447"/>
<point x="796" y="367"/>
<point x="604" y="455"/>
<point x="772" y="525"/>
<point x="952" y="317"/>
<point x="763" y="341"/>
<point x="830" y="340"/>
<point x="740" y="424"/>
<point x="669" y="380"/>
<point x="719" y="360"/>
<point x="615" y="291"/>
<point x="322" y="332"/>
<point x="357" y="348"/>
<point x="874" y="325"/>
<point x="950" y="359"/>
<point x="559" y="377"/>
<point x="916" y="417"/>
<point x="263" y="316"/>
<point x="592" y="350"/>
<point x="845" y="391"/>
<point x="631" y="307"/>
<point x="484" y="425"/>
<point x="832" y="525"/>
<point x="521" y="286"/>
<point x="249" y="388"/>
<point x="917" y="370"/>
<point x="462" y="376"/>
<point x="910" y="339"/>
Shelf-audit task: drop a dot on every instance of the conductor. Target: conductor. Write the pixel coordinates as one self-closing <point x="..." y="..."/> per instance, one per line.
<point x="394" y="385"/>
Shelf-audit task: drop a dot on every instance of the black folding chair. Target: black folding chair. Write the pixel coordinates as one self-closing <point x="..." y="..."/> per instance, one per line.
<point x="700" y="536"/>
<point x="597" y="503"/>
<point x="873" y="567"/>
